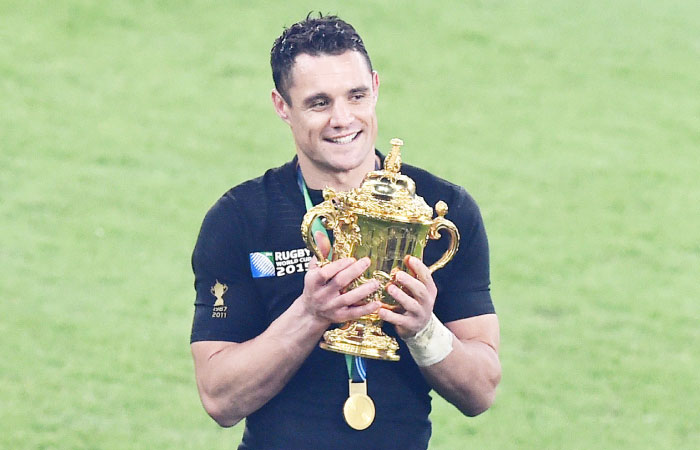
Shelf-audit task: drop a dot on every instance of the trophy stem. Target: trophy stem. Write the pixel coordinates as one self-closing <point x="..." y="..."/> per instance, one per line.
<point x="362" y="337"/>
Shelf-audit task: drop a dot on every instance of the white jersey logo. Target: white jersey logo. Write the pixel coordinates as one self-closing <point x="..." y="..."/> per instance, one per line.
<point x="286" y="262"/>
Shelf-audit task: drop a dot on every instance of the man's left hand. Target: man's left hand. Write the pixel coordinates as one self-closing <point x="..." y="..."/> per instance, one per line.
<point x="416" y="297"/>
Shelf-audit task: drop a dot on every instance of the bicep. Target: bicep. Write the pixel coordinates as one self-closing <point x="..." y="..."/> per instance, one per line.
<point x="227" y="307"/>
<point x="483" y="328"/>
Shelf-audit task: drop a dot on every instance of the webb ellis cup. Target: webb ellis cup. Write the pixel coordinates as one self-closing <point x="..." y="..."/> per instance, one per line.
<point x="385" y="220"/>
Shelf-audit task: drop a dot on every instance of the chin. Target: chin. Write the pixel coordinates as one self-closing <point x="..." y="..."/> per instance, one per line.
<point x="350" y="157"/>
<point x="346" y="164"/>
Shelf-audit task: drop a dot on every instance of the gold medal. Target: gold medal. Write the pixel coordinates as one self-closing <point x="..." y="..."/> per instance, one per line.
<point x="358" y="409"/>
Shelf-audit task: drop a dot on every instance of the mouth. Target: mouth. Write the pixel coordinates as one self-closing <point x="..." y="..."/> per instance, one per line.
<point x="344" y="139"/>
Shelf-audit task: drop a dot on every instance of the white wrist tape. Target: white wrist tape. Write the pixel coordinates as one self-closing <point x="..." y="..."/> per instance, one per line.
<point x="430" y="345"/>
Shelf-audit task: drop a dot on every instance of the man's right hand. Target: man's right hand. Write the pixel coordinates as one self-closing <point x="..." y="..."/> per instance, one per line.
<point x="235" y="379"/>
<point x="323" y="295"/>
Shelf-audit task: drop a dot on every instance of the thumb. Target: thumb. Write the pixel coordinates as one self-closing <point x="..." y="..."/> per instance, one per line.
<point x="324" y="244"/>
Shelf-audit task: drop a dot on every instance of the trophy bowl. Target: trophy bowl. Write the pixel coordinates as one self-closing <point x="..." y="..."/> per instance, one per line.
<point x="384" y="220"/>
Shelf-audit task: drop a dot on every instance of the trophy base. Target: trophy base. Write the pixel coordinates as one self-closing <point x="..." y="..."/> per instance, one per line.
<point x="364" y="338"/>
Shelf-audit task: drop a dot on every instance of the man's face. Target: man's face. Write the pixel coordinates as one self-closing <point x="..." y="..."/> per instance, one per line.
<point x="332" y="112"/>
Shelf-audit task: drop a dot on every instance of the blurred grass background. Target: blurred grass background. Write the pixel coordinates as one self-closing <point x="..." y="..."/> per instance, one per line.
<point x="575" y="125"/>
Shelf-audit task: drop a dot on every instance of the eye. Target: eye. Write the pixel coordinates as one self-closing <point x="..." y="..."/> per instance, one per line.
<point x="319" y="104"/>
<point x="358" y="96"/>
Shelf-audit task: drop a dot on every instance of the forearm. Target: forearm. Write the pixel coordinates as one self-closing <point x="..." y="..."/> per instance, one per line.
<point x="460" y="360"/>
<point x="467" y="377"/>
<point x="238" y="379"/>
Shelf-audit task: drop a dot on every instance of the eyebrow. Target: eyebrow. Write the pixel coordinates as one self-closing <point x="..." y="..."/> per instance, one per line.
<point x="359" y="90"/>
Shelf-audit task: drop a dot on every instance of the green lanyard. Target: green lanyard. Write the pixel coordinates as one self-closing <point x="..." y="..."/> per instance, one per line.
<point x="355" y="364"/>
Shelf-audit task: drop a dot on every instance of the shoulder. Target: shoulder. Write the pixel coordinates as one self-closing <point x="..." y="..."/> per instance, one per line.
<point x="433" y="188"/>
<point x="463" y="284"/>
<point x="245" y="204"/>
<point x="250" y="196"/>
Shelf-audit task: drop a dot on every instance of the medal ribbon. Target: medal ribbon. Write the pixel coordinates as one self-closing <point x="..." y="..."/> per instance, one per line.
<point x="316" y="225"/>
<point x="355" y="364"/>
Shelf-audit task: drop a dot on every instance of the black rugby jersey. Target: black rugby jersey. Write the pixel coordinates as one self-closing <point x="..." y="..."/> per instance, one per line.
<point x="249" y="264"/>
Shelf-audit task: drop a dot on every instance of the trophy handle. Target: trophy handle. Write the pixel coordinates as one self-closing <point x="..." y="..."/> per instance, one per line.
<point x="326" y="210"/>
<point x="440" y="223"/>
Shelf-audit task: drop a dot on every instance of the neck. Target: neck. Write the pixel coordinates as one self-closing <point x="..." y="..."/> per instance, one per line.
<point x="317" y="178"/>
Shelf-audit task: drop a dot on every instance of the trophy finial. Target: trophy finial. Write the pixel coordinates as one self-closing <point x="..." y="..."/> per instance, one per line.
<point x="441" y="208"/>
<point x="393" y="160"/>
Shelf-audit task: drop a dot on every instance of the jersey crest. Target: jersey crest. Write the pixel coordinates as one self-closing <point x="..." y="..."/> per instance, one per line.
<point x="278" y="264"/>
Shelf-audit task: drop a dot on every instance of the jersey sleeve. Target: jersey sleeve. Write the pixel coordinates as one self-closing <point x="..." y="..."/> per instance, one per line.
<point x="464" y="283"/>
<point x="227" y="307"/>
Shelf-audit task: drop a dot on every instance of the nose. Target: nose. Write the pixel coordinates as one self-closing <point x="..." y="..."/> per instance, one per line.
<point x="341" y="114"/>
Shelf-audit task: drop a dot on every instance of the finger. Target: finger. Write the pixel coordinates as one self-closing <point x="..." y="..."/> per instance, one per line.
<point x="321" y="275"/>
<point x="406" y="326"/>
<point x="408" y="303"/>
<point x="323" y="243"/>
<point x="346" y="276"/>
<point x="393" y="317"/>
<point x="353" y="303"/>
<point x="415" y="288"/>
<point x="341" y="279"/>
<point x="422" y="272"/>
<point x="355" y="312"/>
<point x="354" y="297"/>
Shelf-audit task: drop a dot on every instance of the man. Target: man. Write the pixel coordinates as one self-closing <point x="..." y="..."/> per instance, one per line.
<point x="263" y="304"/>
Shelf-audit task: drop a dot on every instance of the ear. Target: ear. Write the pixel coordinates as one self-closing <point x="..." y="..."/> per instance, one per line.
<point x="280" y="104"/>
<point x="375" y="85"/>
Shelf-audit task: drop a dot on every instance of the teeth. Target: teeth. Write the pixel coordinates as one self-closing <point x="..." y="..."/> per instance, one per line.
<point x="344" y="140"/>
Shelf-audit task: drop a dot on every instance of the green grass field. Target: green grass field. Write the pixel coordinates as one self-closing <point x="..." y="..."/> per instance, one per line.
<point x="575" y="125"/>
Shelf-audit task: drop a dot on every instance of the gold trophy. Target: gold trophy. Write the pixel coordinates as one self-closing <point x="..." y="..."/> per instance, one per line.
<point x="385" y="220"/>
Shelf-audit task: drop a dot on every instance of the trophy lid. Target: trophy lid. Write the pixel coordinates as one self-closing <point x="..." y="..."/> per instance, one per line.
<point x="389" y="195"/>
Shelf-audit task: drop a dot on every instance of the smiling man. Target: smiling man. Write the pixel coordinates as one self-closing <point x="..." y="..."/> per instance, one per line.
<point x="330" y="108"/>
<point x="262" y="304"/>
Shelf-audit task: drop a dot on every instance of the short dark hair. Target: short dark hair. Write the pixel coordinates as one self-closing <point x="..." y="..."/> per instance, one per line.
<point x="314" y="36"/>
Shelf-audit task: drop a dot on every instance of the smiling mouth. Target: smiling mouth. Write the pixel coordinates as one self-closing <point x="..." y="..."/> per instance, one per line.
<point x="345" y="139"/>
